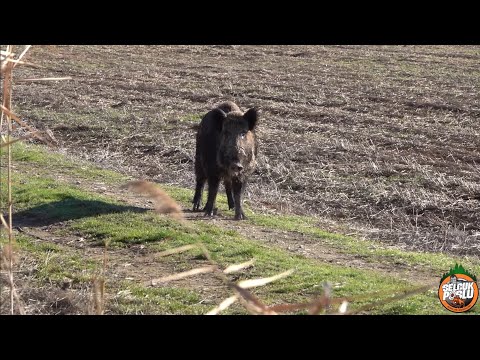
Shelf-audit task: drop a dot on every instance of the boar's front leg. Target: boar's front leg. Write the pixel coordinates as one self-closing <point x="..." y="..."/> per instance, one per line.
<point x="229" y="191"/>
<point x="197" y="199"/>
<point x="213" y="183"/>
<point x="238" y="189"/>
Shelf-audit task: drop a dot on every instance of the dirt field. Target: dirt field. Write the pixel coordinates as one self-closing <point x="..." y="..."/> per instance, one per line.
<point x="382" y="140"/>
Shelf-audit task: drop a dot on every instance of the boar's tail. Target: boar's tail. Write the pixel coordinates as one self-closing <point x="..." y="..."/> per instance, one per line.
<point x="164" y="204"/>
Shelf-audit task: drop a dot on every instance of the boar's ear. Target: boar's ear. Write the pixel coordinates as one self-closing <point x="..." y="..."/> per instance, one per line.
<point x="251" y="116"/>
<point x="218" y="117"/>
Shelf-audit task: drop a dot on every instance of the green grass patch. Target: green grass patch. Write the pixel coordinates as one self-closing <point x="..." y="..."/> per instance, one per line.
<point x="35" y="154"/>
<point x="134" y="299"/>
<point x="369" y="250"/>
<point x="228" y="247"/>
<point x="45" y="201"/>
<point x="51" y="164"/>
<point x="121" y="229"/>
<point x="55" y="263"/>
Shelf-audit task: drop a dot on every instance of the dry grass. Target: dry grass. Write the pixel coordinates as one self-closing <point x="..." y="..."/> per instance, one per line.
<point x="7" y="250"/>
<point x="8" y="62"/>
<point x="164" y="204"/>
<point x="7" y="260"/>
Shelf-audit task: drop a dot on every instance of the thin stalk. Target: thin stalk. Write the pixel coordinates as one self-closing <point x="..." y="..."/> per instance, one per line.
<point x="7" y="102"/>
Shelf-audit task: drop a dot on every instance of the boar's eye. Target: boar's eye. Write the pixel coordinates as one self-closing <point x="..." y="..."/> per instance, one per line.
<point x="242" y="135"/>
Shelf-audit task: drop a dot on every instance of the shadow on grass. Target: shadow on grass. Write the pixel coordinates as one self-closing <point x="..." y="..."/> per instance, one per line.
<point x="69" y="208"/>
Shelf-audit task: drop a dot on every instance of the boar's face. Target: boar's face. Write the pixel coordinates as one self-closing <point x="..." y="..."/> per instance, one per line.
<point x="238" y="146"/>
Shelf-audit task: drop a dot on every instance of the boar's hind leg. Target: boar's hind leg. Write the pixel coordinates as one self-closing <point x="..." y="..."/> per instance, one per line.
<point x="229" y="191"/>
<point x="197" y="199"/>
<point x="213" y="183"/>
<point x="238" y="189"/>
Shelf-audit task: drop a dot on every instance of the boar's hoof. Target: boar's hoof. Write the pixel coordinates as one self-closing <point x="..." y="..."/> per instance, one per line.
<point x="240" y="216"/>
<point x="196" y="206"/>
<point x="212" y="212"/>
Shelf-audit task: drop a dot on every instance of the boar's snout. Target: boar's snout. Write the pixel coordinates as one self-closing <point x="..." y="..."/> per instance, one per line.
<point x="236" y="167"/>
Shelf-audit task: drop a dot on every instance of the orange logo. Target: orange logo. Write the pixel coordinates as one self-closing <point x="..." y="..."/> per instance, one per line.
<point x="458" y="291"/>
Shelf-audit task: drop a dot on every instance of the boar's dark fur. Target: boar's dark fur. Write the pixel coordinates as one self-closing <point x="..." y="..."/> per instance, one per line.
<point x="226" y="150"/>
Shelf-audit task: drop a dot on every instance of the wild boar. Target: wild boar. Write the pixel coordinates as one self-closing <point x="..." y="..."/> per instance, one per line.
<point x="226" y="149"/>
